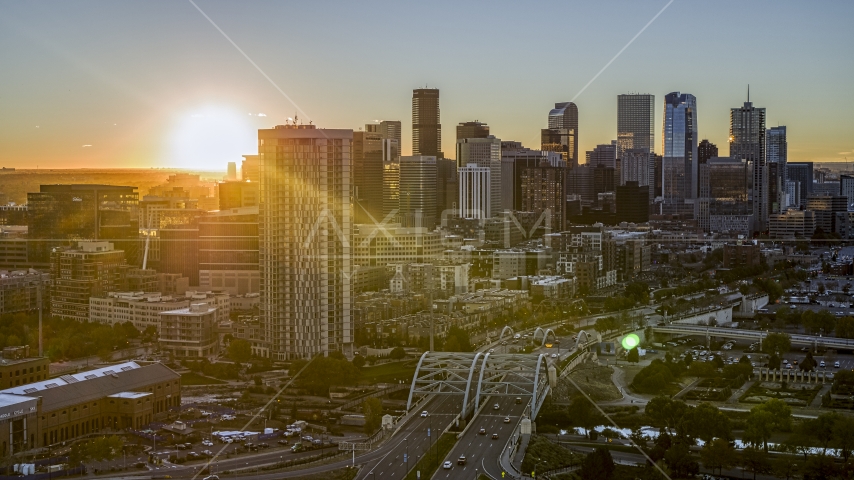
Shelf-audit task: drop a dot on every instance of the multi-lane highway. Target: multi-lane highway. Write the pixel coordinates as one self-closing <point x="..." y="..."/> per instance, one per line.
<point x="411" y="443"/>
<point x="482" y="451"/>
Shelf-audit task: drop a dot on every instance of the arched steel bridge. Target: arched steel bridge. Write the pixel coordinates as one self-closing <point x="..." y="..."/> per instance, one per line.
<point x="476" y="376"/>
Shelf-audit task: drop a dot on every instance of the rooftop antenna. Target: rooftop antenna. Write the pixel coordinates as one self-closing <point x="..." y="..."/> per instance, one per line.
<point x="748" y="93"/>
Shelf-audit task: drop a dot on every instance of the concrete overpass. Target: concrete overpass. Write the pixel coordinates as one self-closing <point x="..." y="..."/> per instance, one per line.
<point x="754" y="335"/>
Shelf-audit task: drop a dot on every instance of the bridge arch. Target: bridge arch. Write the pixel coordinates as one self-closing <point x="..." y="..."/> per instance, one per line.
<point x="505" y="330"/>
<point x="545" y="333"/>
<point x="452" y="373"/>
<point x="583" y="338"/>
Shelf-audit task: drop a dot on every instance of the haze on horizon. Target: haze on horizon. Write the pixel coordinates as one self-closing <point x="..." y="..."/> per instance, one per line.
<point x="100" y="84"/>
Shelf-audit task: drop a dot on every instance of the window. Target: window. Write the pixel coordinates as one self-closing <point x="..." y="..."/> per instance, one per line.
<point x="52" y="415"/>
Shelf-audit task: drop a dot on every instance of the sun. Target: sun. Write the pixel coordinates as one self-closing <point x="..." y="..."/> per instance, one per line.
<point x="209" y="137"/>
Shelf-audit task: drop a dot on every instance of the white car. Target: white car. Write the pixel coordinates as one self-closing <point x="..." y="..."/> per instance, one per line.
<point x="424" y="413"/>
<point x="495" y="407"/>
<point x="821" y="364"/>
<point x="447" y="465"/>
<point x="835" y="364"/>
<point x="491" y="350"/>
<point x="554" y="355"/>
<point x="207" y="443"/>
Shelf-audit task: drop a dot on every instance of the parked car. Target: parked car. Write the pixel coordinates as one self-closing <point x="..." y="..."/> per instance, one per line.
<point x="836" y="364"/>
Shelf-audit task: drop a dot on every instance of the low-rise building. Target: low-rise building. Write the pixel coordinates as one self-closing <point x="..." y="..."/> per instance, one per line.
<point x="190" y="332"/>
<point x="792" y="224"/>
<point x="49" y="412"/>
<point x="18" y="368"/>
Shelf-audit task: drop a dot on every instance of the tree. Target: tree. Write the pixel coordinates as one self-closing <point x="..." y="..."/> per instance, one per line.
<point x="633" y="356"/>
<point x="397" y="353"/>
<point x="744" y="359"/>
<point x="777" y="343"/>
<point x="324" y="372"/>
<point x="717" y="454"/>
<point x="679" y="460"/>
<point x="808" y="364"/>
<point x="843" y="436"/>
<point x="764" y="419"/>
<point x="718" y="362"/>
<point x="373" y="410"/>
<point x="452" y="345"/>
<point x="597" y="465"/>
<point x="359" y="361"/>
<point x="100" y="449"/>
<point x="820" y="467"/>
<point x="688" y="359"/>
<point x="783" y="467"/>
<point x="706" y="422"/>
<point x="845" y="327"/>
<point x="822" y="428"/>
<point x="754" y="460"/>
<point x="240" y="350"/>
<point x="584" y="414"/>
<point x="774" y="362"/>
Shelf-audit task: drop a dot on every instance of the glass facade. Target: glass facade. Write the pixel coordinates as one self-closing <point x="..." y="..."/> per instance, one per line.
<point x="679" y="168"/>
<point x="747" y="141"/>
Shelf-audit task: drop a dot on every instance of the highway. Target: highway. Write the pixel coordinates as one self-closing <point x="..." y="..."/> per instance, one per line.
<point x="482" y="451"/>
<point x="740" y="334"/>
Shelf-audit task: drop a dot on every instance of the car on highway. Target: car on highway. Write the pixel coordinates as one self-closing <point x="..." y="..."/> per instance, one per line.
<point x="424" y="413"/>
<point x="482" y="431"/>
<point x="212" y="477"/>
<point x="506" y="419"/>
<point x="461" y="460"/>
<point x="495" y="436"/>
<point x="496" y="407"/>
<point x="835" y="364"/>
<point x="554" y="355"/>
<point x="447" y="465"/>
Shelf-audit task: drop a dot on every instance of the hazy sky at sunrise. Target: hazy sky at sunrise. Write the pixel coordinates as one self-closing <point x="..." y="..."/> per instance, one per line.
<point x="154" y="84"/>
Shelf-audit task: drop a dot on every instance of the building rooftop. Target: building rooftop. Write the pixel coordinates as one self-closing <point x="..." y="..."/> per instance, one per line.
<point x="130" y="395"/>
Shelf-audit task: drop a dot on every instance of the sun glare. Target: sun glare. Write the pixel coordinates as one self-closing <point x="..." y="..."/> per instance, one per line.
<point x="210" y="137"/>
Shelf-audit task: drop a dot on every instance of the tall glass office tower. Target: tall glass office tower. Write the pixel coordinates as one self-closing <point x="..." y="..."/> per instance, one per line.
<point x="635" y="123"/>
<point x="679" y="168"/>
<point x="776" y="152"/>
<point x="747" y="142"/>
<point x="562" y="134"/>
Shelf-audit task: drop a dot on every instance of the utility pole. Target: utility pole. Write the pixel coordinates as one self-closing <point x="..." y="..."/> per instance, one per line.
<point x="39" y="300"/>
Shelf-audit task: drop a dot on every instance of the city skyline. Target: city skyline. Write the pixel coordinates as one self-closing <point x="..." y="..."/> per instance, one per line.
<point x="74" y="100"/>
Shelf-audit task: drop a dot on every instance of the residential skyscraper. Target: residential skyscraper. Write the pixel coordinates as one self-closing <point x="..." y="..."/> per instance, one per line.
<point x="562" y="134"/>
<point x="473" y="129"/>
<point x="305" y="230"/>
<point x="534" y="181"/>
<point x="418" y="192"/>
<point x="483" y="152"/>
<point x="747" y="141"/>
<point x="776" y="153"/>
<point x="638" y="165"/>
<point x="474" y="191"/>
<point x="426" y="127"/>
<point x="679" y="167"/>
<point x="388" y="129"/>
<point x="635" y="123"/>
<point x="724" y="204"/>
<point x="249" y="168"/>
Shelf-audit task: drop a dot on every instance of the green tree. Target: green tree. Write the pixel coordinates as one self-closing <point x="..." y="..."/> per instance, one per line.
<point x="754" y="461"/>
<point x="633" y="356"/>
<point x="99" y="449"/>
<point x="397" y="353"/>
<point x="820" y="467"/>
<point x="843" y="436"/>
<point x="373" y="410"/>
<point x="765" y="419"/>
<point x="324" y="372"/>
<point x="808" y="364"/>
<point x="706" y="422"/>
<point x="584" y="415"/>
<point x="845" y="327"/>
<point x="679" y="460"/>
<point x="777" y="343"/>
<point x="717" y="454"/>
<point x="597" y="465"/>
<point x="240" y="350"/>
<point x="774" y="361"/>
<point x="783" y="467"/>
<point x="359" y="361"/>
<point x="452" y="345"/>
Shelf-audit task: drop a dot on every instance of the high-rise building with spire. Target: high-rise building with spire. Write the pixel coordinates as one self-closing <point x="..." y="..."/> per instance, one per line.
<point x="747" y="142"/>
<point x="426" y="127"/>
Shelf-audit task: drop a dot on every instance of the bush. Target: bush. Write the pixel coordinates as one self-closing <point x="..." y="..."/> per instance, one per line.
<point x="654" y="377"/>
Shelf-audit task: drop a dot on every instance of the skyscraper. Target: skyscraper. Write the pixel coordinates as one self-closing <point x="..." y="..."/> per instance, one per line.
<point x="388" y="129"/>
<point x="231" y="173"/>
<point x="368" y="175"/>
<point x="747" y="142"/>
<point x="534" y="181"/>
<point x="638" y="165"/>
<point x="776" y="153"/>
<point x="447" y="187"/>
<point x="705" y="151"/>
<point x="801" y="172"/>
<point x="474" y="189"/>
<point x="679" y="168"/>
<point x="426" y="128"/>
<point x="562" y="134"/>
<point x="418" y="192"/>
<point x="605" y="154"/>
<point x="305" y="232"/>
<point x="635" y="123"/>
<point x="724" y="202"/>
<point x="483" y="152"/>
<point x="472" y="130"/>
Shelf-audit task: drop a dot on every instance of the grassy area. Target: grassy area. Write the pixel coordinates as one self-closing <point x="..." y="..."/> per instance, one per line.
<point x="428" y="464"/>
<point x="544" y="455"/>
<point x="192" y="378"/>
<point x="596" y="382"/>
<point x="389" y="372"/>
<point x="340" y="474"/>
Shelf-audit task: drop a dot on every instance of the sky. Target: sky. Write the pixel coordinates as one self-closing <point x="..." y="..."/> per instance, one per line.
<point x="113" y="83"/>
